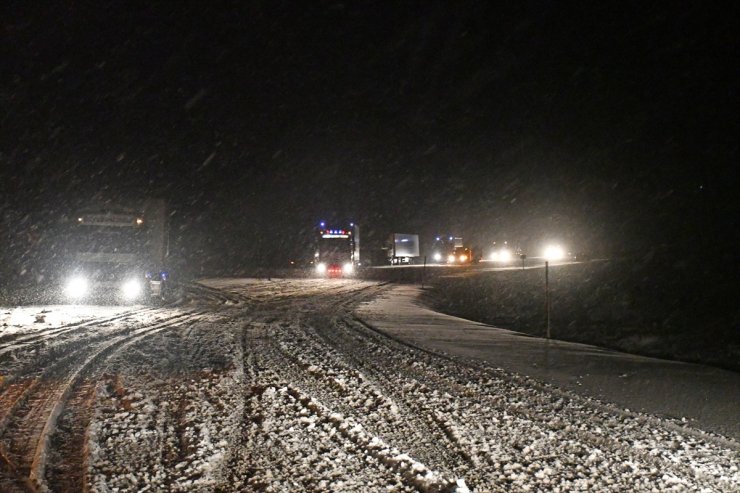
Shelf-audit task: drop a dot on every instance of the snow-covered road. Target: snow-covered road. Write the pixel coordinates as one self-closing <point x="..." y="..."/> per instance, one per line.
<point x="276" y="385"/>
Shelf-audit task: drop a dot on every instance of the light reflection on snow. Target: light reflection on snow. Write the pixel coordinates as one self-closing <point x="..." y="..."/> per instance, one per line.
<point x="34" y="318"/>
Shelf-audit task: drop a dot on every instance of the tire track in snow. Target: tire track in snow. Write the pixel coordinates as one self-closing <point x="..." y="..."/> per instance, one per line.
<point x="310" y="378"/>
<point x="528" y="406"/>
<point x="15" y="387"/>
<point x="350" y="385"/>
<point x="31" y="416"/>
<point x="275" y="406"/>
<point x="170" y="412"/>
<point x="401" y="418"/>
<point x="518" y="433"/>
<point x="20" y="341"/>
<point x="267" y="368"/>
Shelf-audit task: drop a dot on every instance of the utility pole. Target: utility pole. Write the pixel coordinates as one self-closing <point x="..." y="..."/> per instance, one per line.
<point x="547" y="296"/>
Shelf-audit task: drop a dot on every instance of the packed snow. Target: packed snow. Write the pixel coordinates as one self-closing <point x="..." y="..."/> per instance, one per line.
<point x="278" y="385"/>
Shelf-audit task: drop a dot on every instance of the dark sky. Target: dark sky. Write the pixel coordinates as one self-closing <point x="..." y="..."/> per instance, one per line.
<point x="610" y="126"/>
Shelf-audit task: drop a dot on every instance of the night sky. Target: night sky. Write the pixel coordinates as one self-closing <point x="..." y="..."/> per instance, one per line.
<point x="612" y="127"/>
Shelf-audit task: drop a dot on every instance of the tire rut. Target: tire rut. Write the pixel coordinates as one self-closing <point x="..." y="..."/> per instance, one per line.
<point x="32" y="416"/>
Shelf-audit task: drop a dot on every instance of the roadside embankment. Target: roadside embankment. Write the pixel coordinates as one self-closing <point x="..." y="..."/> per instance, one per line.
<point x="655" y="306"/>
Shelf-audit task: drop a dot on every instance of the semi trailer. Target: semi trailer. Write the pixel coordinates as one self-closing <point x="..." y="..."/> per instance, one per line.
<point x="403" y="248"/>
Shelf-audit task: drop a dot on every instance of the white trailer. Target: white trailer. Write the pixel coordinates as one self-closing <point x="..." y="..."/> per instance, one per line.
<point x="403" y="248"/>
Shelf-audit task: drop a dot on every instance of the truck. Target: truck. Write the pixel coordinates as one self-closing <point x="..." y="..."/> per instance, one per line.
<point x="117" y="253"/>
<point x="337" y="250"/>
<point x="444" y="248"/>
<point x="461" y="255"/>
<point x="503" y="252"/>
<point x="403" y="248"/>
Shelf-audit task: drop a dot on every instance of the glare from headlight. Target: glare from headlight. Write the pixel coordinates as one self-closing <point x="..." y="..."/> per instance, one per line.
<point x="76" y="287"/>
<point x="504" y="255"/>
<point x="437" y="257"/>
<point x="131" y="289"/>
<point x="321" y="267"/>
<point x="451" y="259"/>
<point x="348" y="268"/>
<point x="554" y="252"/>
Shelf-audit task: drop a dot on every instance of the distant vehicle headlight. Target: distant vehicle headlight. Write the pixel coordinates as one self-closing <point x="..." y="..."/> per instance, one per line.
<point x="504" y="255"/>
<point x="463" y="258"/>
<point x="437" y="257"/>
<point x="321" y="268"/>
<point x="451" y="259"/>
<point x="76" y="287"/>
<point x="348" y="268"/>
<point x="554" y="252"/>
<point x="131" y="289"/>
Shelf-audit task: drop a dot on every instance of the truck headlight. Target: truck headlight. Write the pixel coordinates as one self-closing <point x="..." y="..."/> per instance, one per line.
<point x="504" y="255"/>
<point x="131" y="289"/>
<point x="451" y="259"/>
<point x="437" y="257"/>
<point x="76" y="287"/>
<point x="348" y="268"/>
<point x="321" y="268"/>
<point x="554" y="252"/>
<point x="463" y="258"/>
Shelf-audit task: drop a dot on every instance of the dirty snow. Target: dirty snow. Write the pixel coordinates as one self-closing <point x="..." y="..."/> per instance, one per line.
<point x="278" y="386"/>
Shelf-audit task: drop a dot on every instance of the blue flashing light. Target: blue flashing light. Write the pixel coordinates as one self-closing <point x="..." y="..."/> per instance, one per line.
<point x="437" y="238"/>
<point x="148" y="274"/>
<point x="323" y="224"/>
<point x="164" y="275"/>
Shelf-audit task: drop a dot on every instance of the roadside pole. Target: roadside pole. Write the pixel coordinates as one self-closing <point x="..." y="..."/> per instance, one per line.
<point x="547" y="296"/>
<point x="423" y="270"/>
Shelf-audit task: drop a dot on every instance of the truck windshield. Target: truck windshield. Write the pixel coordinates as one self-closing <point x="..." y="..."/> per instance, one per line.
<point x="108" y="239"/>
<point x="335" y="249"/>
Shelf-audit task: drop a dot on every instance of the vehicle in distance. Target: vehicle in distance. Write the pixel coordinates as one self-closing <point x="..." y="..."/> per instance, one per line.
<point x="116" y="253"/>
<point x="443" y="248"/>
<point x="403" y="248"/>
<point x="503" y="253"/>
<point x="461" y="255"/>
<point x="337" y="250"/>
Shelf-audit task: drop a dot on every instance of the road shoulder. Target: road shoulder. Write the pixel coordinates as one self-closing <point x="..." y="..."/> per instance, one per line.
<point x="708" y="398"/>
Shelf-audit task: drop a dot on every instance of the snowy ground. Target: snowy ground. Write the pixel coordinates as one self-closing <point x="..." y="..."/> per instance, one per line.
<point x="707" y="397"/>
<point x="276" y="385"/>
